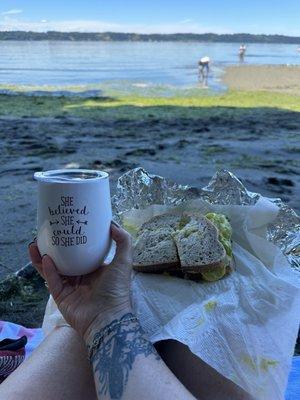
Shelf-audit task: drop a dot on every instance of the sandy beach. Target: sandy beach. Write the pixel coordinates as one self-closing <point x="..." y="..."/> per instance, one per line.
<point x="283" y="79"/>
<point x="253" y="134"/>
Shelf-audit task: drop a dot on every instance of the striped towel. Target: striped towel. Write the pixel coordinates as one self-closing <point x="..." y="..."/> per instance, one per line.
<point x="16" y="343"/>
<point x="12" y="354"/>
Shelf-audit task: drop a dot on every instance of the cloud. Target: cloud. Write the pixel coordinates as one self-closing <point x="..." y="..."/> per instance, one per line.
<point x="13" y="11"/>
<point x="185" y="21"/>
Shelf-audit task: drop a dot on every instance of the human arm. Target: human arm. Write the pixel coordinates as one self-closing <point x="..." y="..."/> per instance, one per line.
<point x="97" y="305"/>
<point x="127" y="366"/>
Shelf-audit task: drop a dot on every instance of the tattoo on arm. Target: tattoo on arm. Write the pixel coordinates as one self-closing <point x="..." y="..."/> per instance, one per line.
<point x="116" y="354"/>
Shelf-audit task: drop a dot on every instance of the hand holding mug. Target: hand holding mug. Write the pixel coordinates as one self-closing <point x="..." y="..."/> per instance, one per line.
<point x="88" y="301"/>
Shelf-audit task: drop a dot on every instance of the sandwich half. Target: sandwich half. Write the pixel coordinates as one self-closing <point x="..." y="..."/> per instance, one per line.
<point x="155" y="249"/>
<point x="199" y="249"/>
<point x="191" y="245"/>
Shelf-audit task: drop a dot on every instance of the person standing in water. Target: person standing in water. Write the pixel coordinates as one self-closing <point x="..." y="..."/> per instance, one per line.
<point x="242" y="52"/>
<point x="204" y="64"/>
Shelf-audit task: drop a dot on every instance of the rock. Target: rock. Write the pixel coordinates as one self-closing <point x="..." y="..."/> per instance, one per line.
<point x="26" y="272"/>
<point x="279" y="185"/>
<point x="181" y="143"/>
<point x="287" y="182"/>
<point x="201" y="129"/>
<point x="272" y="180"/>
<point x="72" y="165"/>
<point x="23" y="297"/>
<point x="116" y="164"/>
<point x="141" y="152"/>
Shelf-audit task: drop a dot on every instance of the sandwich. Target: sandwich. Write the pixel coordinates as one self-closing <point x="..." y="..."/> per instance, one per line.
<point x="190" y="245"/>
<point x="155" y="249"/>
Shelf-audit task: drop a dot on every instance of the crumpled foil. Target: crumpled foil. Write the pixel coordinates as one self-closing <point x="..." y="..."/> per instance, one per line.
<point x="137" y="189"/>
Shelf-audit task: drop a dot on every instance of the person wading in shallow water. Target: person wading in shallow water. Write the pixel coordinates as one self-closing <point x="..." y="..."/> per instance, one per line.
<point x="242" y="52"/>
<point x="104" y="353"/>
<point x="204" y="64"/>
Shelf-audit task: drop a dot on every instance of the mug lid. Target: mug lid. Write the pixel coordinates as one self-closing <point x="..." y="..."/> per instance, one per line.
<point x="70" y="175"/>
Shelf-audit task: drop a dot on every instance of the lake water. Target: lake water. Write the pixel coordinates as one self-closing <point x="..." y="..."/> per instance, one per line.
<point x="128" y="64"/>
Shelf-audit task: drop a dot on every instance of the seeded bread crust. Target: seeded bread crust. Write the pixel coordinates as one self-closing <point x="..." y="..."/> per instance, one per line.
<point x="158" y="268"/>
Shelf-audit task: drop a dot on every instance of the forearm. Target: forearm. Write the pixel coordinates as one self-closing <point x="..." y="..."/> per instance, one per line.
<point x="127" y="366"/>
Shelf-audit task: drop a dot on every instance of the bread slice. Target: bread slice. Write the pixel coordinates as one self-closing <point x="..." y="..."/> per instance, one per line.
<point x="198" y="246"/>
<point x="155" y="251"/>
<point x="165" y="221"/>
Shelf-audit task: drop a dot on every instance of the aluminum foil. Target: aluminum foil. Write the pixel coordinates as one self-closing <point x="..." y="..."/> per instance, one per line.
<point x="137" y="189"/>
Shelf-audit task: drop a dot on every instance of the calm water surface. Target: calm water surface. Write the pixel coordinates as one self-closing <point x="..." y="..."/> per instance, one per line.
<point x="138" y="64"/>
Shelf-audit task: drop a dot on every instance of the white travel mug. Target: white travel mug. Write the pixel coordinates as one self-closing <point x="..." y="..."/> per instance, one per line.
<point x="74" y="217"/>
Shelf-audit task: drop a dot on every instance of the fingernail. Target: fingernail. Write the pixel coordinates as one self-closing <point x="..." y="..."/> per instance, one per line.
<point x="33" y="242"/>
<point x="44" y="255"/>
<point x="116" y="224"/>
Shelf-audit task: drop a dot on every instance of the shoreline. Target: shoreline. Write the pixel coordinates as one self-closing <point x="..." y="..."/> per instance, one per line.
<point x="282" y="78"/>
<point x="271" y="78"/>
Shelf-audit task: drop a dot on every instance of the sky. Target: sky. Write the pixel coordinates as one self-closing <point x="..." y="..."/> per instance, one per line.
<point x="153" y="16"/>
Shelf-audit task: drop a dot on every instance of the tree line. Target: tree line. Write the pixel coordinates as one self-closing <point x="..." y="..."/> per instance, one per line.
<point x="135" y="37"/>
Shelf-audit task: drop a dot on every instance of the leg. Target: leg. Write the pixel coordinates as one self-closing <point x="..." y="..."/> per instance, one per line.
<point x="198" y="377"/>
<point x="200" y="73"/>
<point x="57" y="370"/>
<point x="205" y="74"/>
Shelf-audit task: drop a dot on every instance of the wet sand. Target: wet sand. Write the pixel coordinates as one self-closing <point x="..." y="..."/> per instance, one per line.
<point x="284" y="79"/>
<point x="260" y="145"/>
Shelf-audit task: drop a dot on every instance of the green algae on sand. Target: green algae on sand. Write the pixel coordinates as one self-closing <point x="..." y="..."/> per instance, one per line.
<point x="131" y="107"/>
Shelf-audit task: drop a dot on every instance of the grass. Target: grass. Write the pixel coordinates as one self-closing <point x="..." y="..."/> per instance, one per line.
<point x="254" y="161"/>
<point x="131" y="107"/>
<point x="176" y="159"/>
<point x="214" y="149"/>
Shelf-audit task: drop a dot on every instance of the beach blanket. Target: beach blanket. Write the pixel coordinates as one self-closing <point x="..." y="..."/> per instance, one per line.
<point x="8" y="330"/>
<point x="35" y="336"/>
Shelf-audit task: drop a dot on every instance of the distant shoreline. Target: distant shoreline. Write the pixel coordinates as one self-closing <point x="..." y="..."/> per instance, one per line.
<point x="136" y="37"/>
